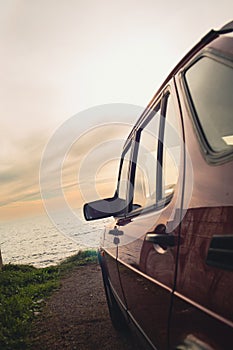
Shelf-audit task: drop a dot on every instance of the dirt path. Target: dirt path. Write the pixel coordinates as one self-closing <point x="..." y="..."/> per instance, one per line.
<point x="76" y="316"/>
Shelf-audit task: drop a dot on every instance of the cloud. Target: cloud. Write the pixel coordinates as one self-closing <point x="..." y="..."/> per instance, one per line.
<point x="20" y="178"/>
<point x="19" y="173"/>
<point x="8" y="176"/>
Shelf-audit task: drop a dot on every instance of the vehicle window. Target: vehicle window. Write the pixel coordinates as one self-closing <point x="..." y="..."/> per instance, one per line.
<point x="210" y="85"/>
<point x="146" y="167"/>
<point x="171" y="150"/>
<point x="123" y="177"/>
<point x="158" y="157"/>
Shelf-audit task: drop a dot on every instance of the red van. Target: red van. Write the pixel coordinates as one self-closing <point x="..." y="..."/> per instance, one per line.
<point x="167" y="253"/>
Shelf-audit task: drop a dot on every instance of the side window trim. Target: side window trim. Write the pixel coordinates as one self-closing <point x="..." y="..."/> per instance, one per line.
<point x="159" y="177"/>
<point x="155" y="108"/>
<point x="128" y="147"/>
<point x="209" y="155"/>
<point x="132" y="168"/>
<point x="160" y="202"/>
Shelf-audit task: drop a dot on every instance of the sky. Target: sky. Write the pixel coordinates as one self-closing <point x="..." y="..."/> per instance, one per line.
<point x="60" y="58"/>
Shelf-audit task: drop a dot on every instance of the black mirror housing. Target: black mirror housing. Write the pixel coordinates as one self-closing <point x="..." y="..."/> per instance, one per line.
<point x="104" y="208"/>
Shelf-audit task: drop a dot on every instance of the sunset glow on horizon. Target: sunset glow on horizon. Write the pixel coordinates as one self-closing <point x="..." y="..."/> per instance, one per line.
<point x="60" y="58"/>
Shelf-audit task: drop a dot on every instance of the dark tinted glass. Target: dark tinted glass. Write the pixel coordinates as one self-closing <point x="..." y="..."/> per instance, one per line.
<point x="145" y="175"/>
<point x="210" y="84"/>
<point x="123" y="182"/>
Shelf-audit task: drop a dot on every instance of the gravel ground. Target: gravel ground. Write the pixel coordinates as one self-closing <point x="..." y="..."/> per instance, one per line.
<point x="76" y="316"/>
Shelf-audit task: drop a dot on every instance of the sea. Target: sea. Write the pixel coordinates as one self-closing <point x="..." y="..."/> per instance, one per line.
<point x="40" y="242"/>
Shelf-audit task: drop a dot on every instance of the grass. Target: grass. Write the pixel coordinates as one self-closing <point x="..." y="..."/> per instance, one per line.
<point x="23" y="289"/>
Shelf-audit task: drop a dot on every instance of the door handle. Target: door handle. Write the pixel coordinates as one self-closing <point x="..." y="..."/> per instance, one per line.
<point x="159" y="236"/>
<point x="161" y="239"/>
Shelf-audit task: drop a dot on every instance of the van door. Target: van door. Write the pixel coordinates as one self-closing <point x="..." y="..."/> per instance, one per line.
<point x="111" y="236"/>
<point x="147" y="248"/>
<point x="203" y="304"/>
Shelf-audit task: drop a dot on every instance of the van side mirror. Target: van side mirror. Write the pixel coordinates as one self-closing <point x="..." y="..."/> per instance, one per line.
<point x="104" y="208"/>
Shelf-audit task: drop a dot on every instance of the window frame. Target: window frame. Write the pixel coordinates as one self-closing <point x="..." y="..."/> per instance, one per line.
<point x="160" y="104"/>
<point x="211" y="156"/>
<point x="128" y="146"/>
<point x="137" y="138"/>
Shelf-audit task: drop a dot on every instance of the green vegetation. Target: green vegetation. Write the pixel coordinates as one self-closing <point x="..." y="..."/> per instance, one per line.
<point x="23" y="289"/>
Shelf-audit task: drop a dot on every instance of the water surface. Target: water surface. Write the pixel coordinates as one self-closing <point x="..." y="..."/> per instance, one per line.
<point x="37" y="241"/>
